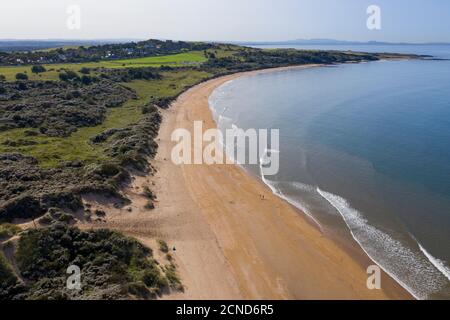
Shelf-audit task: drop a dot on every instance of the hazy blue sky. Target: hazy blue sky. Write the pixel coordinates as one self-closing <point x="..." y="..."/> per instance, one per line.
<point x="402" y="20"/>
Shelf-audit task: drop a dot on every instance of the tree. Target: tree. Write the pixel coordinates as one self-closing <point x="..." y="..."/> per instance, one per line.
<point x="68" y="75"/>
<point x="21" y="76"/>
<point x="86" y="80"/>
<point x="63" y="76"/>
<point x="85" y="70"/>
<point x="72" y="75"/>
<point x="22" y="86"/>
<point x="38" y="69"/>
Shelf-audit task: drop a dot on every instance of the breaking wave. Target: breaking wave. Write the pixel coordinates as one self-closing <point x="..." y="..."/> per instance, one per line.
<point x="414" y="271"/>
<point x="439" y="264"/>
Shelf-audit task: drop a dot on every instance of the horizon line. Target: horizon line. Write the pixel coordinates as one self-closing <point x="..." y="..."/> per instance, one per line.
<point x="317" y="41"/>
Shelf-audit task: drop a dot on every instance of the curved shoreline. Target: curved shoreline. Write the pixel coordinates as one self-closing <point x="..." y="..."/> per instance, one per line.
<point x="229" y="243"/>
<point x="354" y="247"/>
<point x="200" y="179"/>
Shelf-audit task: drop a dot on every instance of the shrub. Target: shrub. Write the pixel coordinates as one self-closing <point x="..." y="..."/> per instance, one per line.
<point x="163" y="246"/>
<point x="85" y="70"/>
<point x="69" y="75"/>
<point x="100" y="213"/>
<point x="38" y="69"/>
<point x="21" y="76"/>
<point x="148" y="193"/>
<point x="7" y="277"/>
<point x="63" y="76"/>
<point x="72" y="75"/>
<point x="30" y="133"/>
<point x="86" y="80"/>
<point x="139" y="289"/>
<point x="108" y="170"/>
<point x="55" y="216"/>
<point x="21" y="207"/>
<point x="46" y="219"/>
<point x="149" y="108"/>
<point x="22" y="86"/>
<point x="150" y="205"/>
<point x="153" y="278"/>
<point x="8" y="230"/>
<point x="172" y="276"/>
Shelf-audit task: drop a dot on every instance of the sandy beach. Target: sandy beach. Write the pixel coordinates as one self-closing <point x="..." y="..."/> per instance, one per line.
<point x="230" y="244"/>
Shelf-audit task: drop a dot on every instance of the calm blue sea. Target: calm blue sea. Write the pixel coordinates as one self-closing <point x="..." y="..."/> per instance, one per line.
<point x="365" y="151"/>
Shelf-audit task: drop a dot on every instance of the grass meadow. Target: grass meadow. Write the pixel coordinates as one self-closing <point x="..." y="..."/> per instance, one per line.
<point x="175" y="60"/>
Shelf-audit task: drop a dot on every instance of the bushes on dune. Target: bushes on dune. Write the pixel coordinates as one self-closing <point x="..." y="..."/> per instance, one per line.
<point x="130" y="74"/>
<point x="8" y="230"/>
<point x="131" y="145"/>
<point x="29" y="191"/>
<point x="21" y="207"/>
<point x="9" y="285"/>
<point x="69" y="75"/>
<point x="163" y="246"/>
<point x="59" y="108"/>
<point x="112" y="266"/>
<point x="163" y="102"/>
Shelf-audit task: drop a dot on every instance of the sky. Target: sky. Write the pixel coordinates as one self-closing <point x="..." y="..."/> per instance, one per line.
<point x="225" y="20"/>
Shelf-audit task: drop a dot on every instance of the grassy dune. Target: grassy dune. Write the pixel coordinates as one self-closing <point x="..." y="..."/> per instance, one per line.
<point x="51" y="150"/>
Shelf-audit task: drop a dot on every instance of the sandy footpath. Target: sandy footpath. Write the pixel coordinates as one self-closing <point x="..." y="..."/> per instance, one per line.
<point x="229" y="243"/>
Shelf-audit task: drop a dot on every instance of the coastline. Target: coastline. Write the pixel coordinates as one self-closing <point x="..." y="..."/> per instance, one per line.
<point x="229" y="243"/>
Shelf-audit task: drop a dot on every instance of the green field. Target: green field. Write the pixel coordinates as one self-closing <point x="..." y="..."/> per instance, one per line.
<point x="49" y="151"/>
<point x="175" y="60"/>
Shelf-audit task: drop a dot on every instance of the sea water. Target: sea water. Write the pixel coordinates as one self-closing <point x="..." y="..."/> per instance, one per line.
<point x="364" y="152"/>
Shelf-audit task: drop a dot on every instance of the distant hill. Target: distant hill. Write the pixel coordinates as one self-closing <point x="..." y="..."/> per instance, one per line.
<point x="32" y="45"/>
<point x="332" y="42"/>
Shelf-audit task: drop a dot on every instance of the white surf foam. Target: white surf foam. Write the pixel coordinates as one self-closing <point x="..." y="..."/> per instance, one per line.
<point x="299" y="205"/>
<point x="303" y="187"/>
<point x="223" y="121"/>
<point x="272" y="185"/>
<point x="410" y="269"/>
<point x="439" y="264"/>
